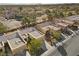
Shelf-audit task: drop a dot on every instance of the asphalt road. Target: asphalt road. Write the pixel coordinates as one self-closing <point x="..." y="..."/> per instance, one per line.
<point x="71" y="47"/>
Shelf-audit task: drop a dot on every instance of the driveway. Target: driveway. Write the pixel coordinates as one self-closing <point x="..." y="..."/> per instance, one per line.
<point x="71" y="47"/>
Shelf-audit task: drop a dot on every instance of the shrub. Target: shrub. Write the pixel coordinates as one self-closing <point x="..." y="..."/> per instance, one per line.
<point x="56" y="34"/>
<point x="34" y="46"/>
<point x="2" y="28"/>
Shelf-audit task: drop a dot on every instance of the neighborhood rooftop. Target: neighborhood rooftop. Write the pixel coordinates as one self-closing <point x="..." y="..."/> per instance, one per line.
<point x="74" y="17"/>
<point x="46" y="25"/>
<point x="12" y="35"/>
<point x="3" y="38"/>
<point x="11" y="24"/>
<point x="32" y="31"/>
<point x="15" y="43"/>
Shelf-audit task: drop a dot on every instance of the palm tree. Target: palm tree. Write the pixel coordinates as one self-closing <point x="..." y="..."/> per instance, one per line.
<point x="33" y="19"/>
<point x="55" y="14"/>
<point x="29" y="40"/>
<point x="20" y="8"/>
<point x="61" y="14"/>
<point x="26" y="21"/>
<point x="48" y="36"/>
<point x="50" y="17"/>
<point x="49" y="14"/>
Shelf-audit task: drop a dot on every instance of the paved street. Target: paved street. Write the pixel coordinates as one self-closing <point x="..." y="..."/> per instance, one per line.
<point x="71" y="47"/>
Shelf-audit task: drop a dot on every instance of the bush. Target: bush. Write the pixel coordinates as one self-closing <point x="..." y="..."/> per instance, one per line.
<point x="56" y="34"/>
<point x="2" y="28"/>
<point x="34" y="46"/>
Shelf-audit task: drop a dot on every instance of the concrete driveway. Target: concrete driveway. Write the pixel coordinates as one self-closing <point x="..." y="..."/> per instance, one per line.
<point x="71" y="47"/>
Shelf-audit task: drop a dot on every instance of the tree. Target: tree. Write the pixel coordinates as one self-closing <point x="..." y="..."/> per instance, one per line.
<point x="33" y="19"/>
<point x="48" y="36"/>
<point x="34" y="46"/>
<point x="2" y="53"/>
<point x="47" y="11"/>
<point x="56" y="34"/>
<point x="49" y="14"/>
<point x="2" y="28"/>
<point x="77" y="11"/>
<point x="26" y="21"/>
<point x="29" y="20"/>
<point x="55" y="14"/>
<point x="1" y="11"/>
<point x="61" y="14"/>
<point x="29" y="40"/>
<point x="70" y="14"/>
<point x="20" y="8"/>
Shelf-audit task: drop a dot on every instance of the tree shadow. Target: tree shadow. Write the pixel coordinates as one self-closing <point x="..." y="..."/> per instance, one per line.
<point x="62" y="50"/>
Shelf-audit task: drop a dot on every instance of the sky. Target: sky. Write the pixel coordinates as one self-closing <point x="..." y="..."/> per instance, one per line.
<point x="37" y="1"/>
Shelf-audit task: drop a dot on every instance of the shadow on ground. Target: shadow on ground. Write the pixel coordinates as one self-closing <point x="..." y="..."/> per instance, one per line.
<point x="62" y="50"/>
